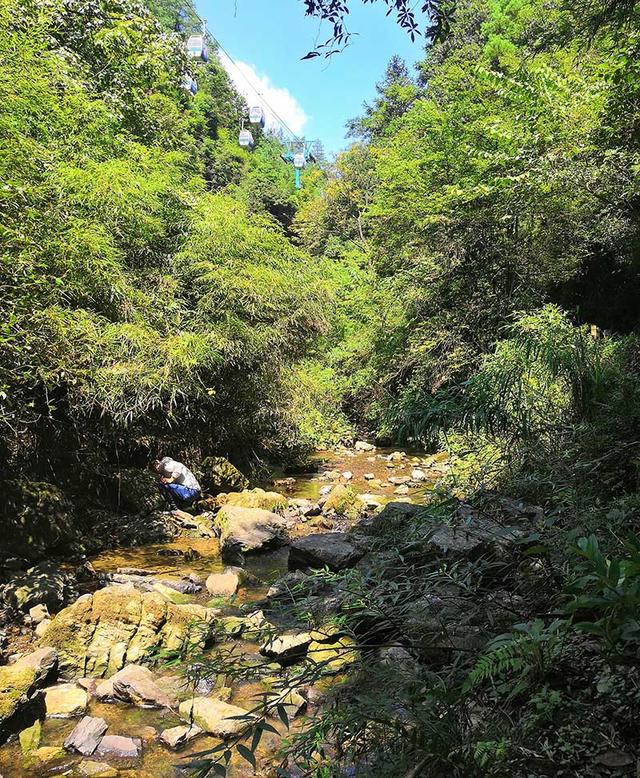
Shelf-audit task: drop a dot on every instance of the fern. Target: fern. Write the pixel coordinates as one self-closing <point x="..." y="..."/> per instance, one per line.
<point x="517" y="656"/>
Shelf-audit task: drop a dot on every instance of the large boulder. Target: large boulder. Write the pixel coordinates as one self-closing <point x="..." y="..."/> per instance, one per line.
<point x="334" y="550"/>
<point x="215" y="716"/>
<point x="101" y="632"/>
<point x="243" y="530"/>
<point x="219" y="475"/>
<point x="36" y="517"/>
<point x="256" y="498"/>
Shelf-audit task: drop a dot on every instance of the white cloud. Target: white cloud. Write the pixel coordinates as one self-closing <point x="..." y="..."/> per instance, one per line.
<point x="258" y="90"/>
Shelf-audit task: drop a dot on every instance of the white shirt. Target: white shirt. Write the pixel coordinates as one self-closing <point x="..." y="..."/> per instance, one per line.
<point x="170" y="468"/>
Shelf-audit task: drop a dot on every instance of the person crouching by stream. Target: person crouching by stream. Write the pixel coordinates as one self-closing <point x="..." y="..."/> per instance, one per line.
<point x="178" y="484"/>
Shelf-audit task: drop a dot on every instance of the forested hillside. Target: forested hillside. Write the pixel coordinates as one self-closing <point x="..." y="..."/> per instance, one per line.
<point x="150" y="294"/>
<point x="463" y="281"/>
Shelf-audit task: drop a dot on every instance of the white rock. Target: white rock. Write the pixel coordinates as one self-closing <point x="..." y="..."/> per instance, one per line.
<point x="223" y="584"/>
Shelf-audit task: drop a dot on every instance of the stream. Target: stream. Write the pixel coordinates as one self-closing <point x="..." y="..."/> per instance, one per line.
<point x="169" y="561"/>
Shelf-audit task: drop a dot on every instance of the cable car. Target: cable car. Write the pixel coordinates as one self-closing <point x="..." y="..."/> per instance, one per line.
<point x="299" y="161"/>
<point x="256" y="115"/>
<point x="182" y="15"/>
<point x="189" y="84"/>
<point x="245" y="139"/>
<point x="197" y="48"/>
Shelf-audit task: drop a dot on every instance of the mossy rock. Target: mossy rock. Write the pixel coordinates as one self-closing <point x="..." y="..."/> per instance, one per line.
<point x="16" y="683"/>
<point x="36" y="517"/>
<point x="345" y="502"/>
<point x="219" y="475"/>
<point x="101" y="632"/>
<point x="258" y="498"/>
<point x="334" y="657"/>
<point x="135" y="490"/>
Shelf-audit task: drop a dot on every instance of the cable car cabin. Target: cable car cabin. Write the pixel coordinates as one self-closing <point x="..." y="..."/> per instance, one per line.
<point x="189" y="84"/>
<point x="245" y="139"/>
<point x="256" y="116"/>
<point x="299" y="161"/>
<point x="197" y="48"/>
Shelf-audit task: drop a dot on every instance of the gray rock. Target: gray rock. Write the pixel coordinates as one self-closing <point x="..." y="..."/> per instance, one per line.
<point x="362" y="445"/>
<point x="330" y="549"/>
<point x="120" y="747"/>
<point x="306" y="508"/>
<point x="86" y="736"/>
<point x="134" y="684"/>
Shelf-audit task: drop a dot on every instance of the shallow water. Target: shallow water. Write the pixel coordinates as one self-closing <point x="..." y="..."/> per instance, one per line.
<point x="158" y="761"/>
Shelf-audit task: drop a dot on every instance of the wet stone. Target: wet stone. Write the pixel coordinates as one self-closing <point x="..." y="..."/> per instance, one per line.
<point x="85" y="737"/>
<point x="286" y="649"/>
<point x="96" y="769"/>
<point x="119" y="746"/>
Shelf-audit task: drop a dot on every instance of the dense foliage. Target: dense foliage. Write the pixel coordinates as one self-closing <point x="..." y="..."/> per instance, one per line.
<point x="465" y="275"/>
<point x="149" y="291"/>
<point x="491" y="202"/>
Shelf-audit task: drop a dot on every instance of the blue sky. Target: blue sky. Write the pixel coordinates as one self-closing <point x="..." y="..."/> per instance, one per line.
<point x="316" y="97"/>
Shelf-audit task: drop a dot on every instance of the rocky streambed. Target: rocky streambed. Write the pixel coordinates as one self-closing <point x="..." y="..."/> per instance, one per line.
<point x="115" y="665"/>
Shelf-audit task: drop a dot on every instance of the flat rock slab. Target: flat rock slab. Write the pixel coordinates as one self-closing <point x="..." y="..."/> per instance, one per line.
<point x="215" y="716"/>
<point x="96" y="769"/>
<point x="286" y="649"/>
<point x="85" y="737"/>
<point x="65" y="701"/>
<point x="134" y="684"/>
<point x="120" y="747"/>
<point x="329" y="549"/>
<point x="176" y="737"/>
<point x="223" y="584"/>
